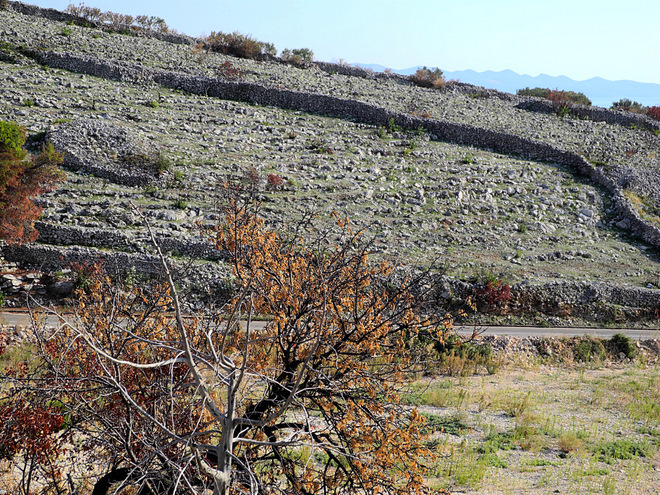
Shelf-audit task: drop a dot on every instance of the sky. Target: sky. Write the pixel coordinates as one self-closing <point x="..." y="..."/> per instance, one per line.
<point x="579" y="39"/>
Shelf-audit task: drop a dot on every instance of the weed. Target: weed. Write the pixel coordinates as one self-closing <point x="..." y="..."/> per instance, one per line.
<point x="468" y="159"/>
<point x="556" y="95"/>
<point x="543" y="462"/>
<point x="66" y="31"/>
<point x="609" y="485"/>
<point x="569" y="442"/>
<point x="412" y="146"/>
<point x="274" y="182"/>
<point x="492" y="460"/>
<point x="161" y="163"/>
<point x="621" y="450"/>
<point x="494" y="293"/>
<point x="150" y="190"/>
<point x="12" y="136"/>
<point x="451" y="425"/>
<point x="629" y="106"/>
<point x="152" y="103"/>
<point x="494" y="442"/>
<point x="29" y="102"/>
<point x="517" y="406"/>
<point x="462" y="466"/>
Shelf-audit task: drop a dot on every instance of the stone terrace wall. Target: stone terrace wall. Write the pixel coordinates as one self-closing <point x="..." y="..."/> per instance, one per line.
<point x="499" y="142"/>
<point x="562" y="294"/>
<point x="597" y="114"/>
<point x="65" y="235"/>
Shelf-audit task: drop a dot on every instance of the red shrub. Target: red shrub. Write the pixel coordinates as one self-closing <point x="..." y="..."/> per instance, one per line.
<point x="228" y="71"/>
<point x="495" y="293"/>
<point x="275" y="182"/>
<point x="654" y="112"/>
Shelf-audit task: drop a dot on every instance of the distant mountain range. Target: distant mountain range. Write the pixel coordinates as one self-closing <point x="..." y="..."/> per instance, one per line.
<point x="600" y="91"/>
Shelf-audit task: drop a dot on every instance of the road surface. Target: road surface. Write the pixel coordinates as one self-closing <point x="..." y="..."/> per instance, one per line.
<point x="23" y="319"/>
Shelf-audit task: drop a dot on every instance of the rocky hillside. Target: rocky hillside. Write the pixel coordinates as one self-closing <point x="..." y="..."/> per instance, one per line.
<point x="470" y="181"/>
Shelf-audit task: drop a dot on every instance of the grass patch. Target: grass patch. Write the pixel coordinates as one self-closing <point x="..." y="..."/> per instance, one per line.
<point x="451" y="425"/>
<point x="621" y="450"/>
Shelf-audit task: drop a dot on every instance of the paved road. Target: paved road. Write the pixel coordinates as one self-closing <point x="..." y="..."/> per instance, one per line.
<point x="23" y="319"/>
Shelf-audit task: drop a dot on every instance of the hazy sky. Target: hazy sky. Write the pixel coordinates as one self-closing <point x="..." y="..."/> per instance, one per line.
<point x="576" y="38"/>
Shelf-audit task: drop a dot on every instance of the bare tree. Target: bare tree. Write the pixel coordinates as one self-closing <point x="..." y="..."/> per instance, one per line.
<point x="306" y="402"/>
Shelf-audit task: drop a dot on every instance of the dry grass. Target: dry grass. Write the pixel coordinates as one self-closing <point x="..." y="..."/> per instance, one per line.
<point x="543" y="429"/>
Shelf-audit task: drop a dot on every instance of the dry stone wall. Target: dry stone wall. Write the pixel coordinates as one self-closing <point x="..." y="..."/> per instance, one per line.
<point x="65" y="235"/>
<point x="359" y="112"/>
<point x="52" y="257"/>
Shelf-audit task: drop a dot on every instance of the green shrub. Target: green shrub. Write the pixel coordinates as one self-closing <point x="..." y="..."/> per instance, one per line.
<point x="628" y="106"/>
<point x="12" y="137"/>
<point x="180" y="204"/>
<point x="469" y="350"/>
<point x="428" y="78"/>
<point x="162" y="163"/>
<point x="298" y="56"/>
<point x="622" y="344"/>
<point x="588" y="349"/>
<point x="156" y="162"/>
<point x="568" y="96"/>
<point x="537" y="92"/>
<point x="66" y="31"/>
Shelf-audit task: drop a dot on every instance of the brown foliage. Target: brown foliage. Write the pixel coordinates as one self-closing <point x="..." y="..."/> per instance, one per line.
<point x="23" y="177"/>
<point x="307" y="403"/>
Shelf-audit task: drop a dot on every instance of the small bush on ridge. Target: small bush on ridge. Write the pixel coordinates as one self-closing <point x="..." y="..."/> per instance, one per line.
<point x="556" y="95"/>
<point x="298" y="56"/>
<point x="654" y="112"/>
<point x="117" y="21"/>
<point x="238" y="45"/>
<point x="428" y="78"/>
<point x="629" y="106"/>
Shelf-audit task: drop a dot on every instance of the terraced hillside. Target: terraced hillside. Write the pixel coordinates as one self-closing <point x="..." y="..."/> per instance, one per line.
<point x="483" y="183"/>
